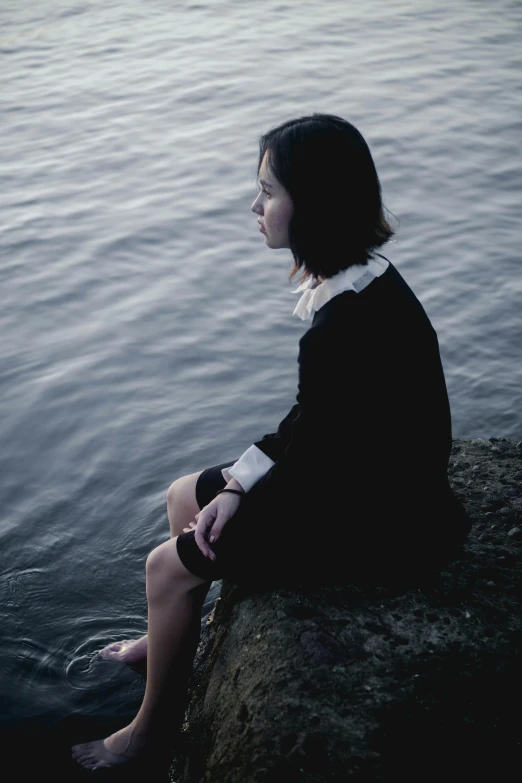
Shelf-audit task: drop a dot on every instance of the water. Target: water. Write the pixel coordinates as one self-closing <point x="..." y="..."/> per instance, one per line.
<point x="147" y="331"/>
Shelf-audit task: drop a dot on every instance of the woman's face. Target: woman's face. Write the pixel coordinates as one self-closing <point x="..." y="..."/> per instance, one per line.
<point x="274" y="208"/>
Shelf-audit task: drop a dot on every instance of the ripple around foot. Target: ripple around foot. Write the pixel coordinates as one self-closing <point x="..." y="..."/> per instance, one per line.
<point x="85" y="669"/>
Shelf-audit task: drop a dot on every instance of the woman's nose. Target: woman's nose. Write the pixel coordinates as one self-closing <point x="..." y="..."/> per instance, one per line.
<point x="256" y="206"/>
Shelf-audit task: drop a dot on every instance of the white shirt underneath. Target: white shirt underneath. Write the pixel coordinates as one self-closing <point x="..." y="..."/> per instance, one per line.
<point x="254" y="463"/>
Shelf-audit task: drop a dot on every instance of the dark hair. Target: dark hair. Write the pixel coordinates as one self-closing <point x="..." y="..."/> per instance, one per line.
<point x="326" y="167"/>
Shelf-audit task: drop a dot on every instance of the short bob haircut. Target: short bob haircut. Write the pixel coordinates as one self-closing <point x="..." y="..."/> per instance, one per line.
<point x="326" y="167"/>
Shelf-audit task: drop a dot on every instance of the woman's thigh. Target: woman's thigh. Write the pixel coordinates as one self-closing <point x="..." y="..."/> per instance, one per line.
<point x="260" y="544"/>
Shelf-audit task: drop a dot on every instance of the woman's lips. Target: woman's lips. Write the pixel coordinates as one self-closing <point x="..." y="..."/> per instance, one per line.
<point x="262" y="229"/>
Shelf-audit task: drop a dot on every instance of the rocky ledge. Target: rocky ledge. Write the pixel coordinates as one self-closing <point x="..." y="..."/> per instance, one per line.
<point x="373" y="684"/>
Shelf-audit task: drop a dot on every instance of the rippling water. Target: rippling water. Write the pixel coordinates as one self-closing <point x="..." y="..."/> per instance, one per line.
<point x="147" y="331"/>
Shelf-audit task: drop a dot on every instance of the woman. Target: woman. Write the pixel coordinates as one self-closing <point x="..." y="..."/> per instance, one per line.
<point x="353" y="485"/>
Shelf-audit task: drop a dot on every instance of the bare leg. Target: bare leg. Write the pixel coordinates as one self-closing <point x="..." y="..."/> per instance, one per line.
<point x="174" y="597"/>
<point x="182" y="508"/>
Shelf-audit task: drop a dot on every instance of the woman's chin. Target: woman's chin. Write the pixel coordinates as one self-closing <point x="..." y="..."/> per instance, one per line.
<point x="274" y="245"/>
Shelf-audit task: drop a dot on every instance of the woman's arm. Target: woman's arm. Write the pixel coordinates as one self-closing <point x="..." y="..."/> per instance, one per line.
<point x="274" y="444"/>
<point x="249" y="468"/>
<point x="317" y="423"/>
<point x="259" y="458"/>
<point x="308" y="432"/>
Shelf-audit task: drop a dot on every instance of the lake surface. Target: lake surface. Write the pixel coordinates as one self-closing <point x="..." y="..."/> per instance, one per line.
<point x="147" y="332"/>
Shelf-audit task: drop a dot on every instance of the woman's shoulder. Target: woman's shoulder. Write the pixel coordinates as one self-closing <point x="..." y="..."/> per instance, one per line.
<point x="387" y="301"/>
<point x="384" y="320"/>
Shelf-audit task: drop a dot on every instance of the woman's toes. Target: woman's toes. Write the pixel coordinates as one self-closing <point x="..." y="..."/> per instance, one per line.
<point x="113" y="650"/>
<point x="127" y="651"/>
<point x="82" y="753"/>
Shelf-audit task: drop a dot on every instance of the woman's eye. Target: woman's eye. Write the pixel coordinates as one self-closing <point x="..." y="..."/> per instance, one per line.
<point x="265" y="191"/>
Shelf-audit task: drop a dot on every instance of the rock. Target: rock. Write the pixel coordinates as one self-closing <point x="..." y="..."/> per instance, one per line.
<point x="367" y="685"/>
<point x="489" y="500"/>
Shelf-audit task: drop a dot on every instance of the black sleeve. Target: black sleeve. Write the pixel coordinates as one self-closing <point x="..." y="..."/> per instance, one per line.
<point x="274" y="445"/>
<point x="308" y="433"/>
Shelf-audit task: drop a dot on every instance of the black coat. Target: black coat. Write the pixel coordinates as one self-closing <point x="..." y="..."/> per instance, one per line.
<point x="363" y="455"/>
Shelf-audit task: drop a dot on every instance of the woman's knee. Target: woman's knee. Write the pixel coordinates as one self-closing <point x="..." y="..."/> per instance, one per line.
<point x="181" y="497"/>
<point x="165" y="571"/>
<point x="160" y="570"/>
<point x="174" y="492"/>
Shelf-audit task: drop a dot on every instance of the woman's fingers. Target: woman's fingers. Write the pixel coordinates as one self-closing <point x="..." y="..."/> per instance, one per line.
<point x="217" y="527"/>
<point x="212" y="519"/>
<point x="226" y="509"/>
<point x="205" y="521"/>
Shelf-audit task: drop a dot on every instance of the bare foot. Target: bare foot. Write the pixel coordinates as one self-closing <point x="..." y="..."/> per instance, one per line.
<point x="128" y="651"/>
<point x="119" y="748"/>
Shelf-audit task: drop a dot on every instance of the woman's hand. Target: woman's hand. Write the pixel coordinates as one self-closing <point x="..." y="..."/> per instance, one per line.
<point x="212" y="519"/>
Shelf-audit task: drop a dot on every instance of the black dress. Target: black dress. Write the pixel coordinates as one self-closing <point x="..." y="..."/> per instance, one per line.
<point x="359" y="489"/>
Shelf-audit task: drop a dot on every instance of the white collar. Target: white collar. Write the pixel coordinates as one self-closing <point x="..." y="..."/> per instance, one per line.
<point x="355" y="278"/>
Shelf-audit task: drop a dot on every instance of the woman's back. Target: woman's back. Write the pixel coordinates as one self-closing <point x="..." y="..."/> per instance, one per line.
<point x="378" y="384"/>
<point x="371" y="377"/>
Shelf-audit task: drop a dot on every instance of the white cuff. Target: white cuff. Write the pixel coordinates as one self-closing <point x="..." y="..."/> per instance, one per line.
<point x="249" y="468"/>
